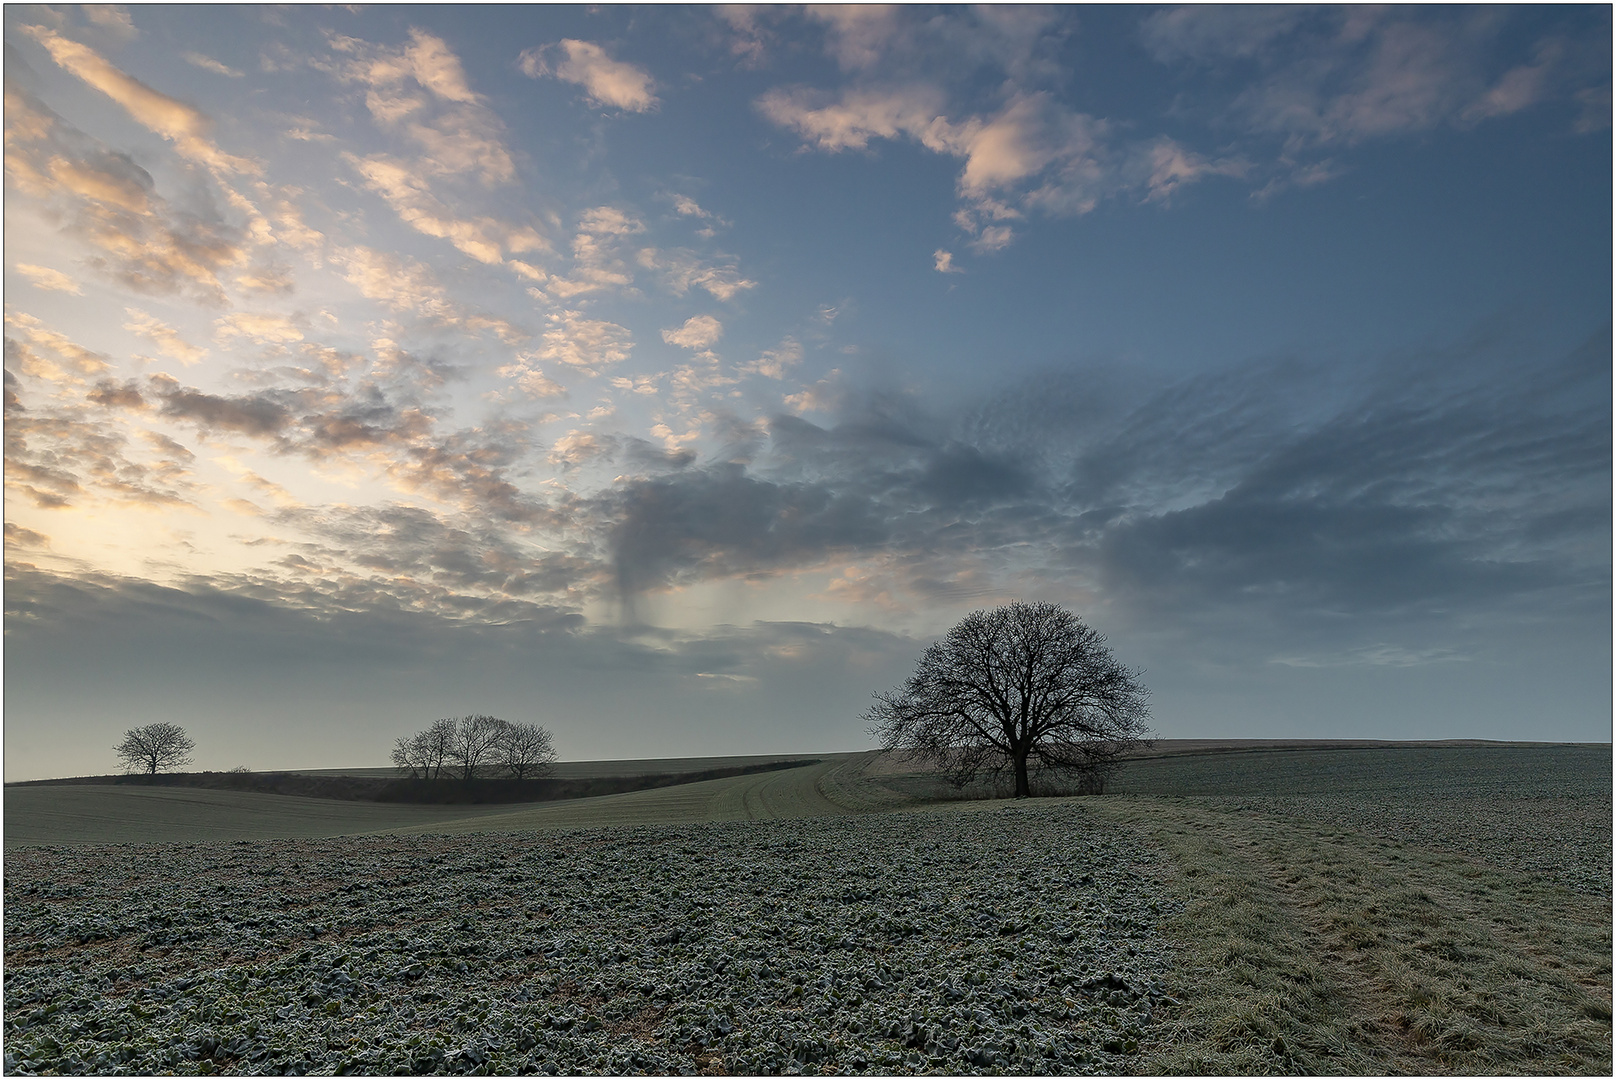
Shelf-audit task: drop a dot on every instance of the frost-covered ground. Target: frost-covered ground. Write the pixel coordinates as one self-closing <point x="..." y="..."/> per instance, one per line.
<point x="1007" y="939"/>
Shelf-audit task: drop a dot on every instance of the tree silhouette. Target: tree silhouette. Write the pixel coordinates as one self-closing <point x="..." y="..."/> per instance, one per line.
<point x="1025" y="683"/>
<point x="154" y="747"/>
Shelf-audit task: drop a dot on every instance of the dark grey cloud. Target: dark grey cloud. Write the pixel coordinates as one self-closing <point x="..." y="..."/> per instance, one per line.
<point x="1455" y="480"/>
<point x="719" y="521"/>
<point x="250" y="414"/>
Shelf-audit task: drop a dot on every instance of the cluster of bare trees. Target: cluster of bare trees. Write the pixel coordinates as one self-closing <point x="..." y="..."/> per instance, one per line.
<point x="476" y="745"/>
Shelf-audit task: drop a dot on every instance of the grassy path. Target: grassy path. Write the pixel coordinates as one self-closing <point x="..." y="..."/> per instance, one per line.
<point x="1308" y="949"/>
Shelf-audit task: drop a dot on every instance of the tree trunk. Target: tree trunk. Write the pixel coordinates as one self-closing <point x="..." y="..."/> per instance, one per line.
<point x="1023" y="788"/>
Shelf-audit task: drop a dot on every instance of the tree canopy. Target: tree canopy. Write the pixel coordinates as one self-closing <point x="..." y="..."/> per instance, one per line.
<point x="155" y="747"/>
<point x="1018" y="686"/>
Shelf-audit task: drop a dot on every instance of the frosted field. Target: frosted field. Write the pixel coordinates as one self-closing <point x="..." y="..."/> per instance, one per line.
<point x="1356" y="910"/>
<point x="1020" y="939"/>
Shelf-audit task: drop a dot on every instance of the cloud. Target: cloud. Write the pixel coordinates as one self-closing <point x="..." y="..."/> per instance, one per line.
<point x="60" y="454"/>
<point x="17" y="536"/>
<point x="590" y="345"/>
<point x="113" y="17"/>
<point x="165" y="337"/>
<point x="1245" y="497"/>
<point x="1171" y="165"/>
<point x="264" y="328"/>
<point x="208" y="63"/>
<point x="943" y="262"/>
<point x="776" y="362"/>
<point x="50" y="280"/>
<point x="697" y="332"/>
<point x="992" y="238"/>
<point x="530" y="380"/>
<point x="720" y="522"/>
<point x="409" y="287"/>
<point x="682" y="270"/>
<point x="1326" y="77"/>
<point x="748" y="38"/>
<point x="607" y="82"/>
<point x="483" y="238"/>
<point x="860" y="35"/>
<point x="1034" y="151"/>
<point x="1207" y="34"/>
<point x="251" y="414"/>
<point x="106" y="200"/>
<point x="451" y="123"/>
<point x="47" y="354"/>
<point x="185" y="127"/>
<point x="850" y="121"/>
<point x="579" y="447"/>
<point x="685" y="206"/>
<point x="595" y="252"/>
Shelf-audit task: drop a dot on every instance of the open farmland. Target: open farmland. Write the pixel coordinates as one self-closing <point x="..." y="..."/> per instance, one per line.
<point x="1011" y="938"/>
<point x="1346" y="910"/>
<point x="107" y="814"/>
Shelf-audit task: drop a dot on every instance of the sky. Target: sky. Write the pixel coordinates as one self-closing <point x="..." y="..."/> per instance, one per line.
<point x="673" y="376"/>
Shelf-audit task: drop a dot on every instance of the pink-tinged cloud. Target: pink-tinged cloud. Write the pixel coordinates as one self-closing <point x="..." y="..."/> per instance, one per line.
<point x="607" y="82"/>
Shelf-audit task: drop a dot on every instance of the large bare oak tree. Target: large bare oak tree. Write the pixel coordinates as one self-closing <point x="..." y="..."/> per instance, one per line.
<point x="154" y="747"/>
<point x="1019" y="685"/>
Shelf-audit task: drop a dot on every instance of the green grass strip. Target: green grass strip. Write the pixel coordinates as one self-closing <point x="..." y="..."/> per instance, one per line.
<point x="1310" y="950"/>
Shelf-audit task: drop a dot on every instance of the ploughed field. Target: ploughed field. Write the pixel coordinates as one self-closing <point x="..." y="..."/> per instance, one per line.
<point x="1345" y="909"/>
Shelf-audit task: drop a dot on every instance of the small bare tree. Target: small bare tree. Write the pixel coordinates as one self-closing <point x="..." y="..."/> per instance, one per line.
<point x="155" y="747"/>
<point x="526" y="750"/>
<point x="1019" y="684"/>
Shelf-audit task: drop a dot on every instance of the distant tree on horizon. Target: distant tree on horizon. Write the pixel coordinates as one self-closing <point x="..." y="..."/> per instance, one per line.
<point x="426" y="752"/>
<point x="525" y="750"/>
<point x="155" y="747"/>
<point x="475" y="740"/>
<point x="1024" y="683"/>
<point x="473" y="745"/>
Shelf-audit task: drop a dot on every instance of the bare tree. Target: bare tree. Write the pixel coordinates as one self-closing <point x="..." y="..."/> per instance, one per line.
<point x="409" y="754"/>
<point x="525" y="749"/>
<point x="154" y="747"/>
<point x="1026" y="683"/>
<point x="425" y="753"/>
<point x="475" y="743"/>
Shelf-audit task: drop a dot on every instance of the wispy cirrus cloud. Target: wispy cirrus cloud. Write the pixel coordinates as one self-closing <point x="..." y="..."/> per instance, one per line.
<point x="1338" y="77"/>
<point x="43" y="277"/>
<point x="484" y="238"/>
<point x="184" y="126"/>
<point x="168" y="340"/>
<point x="680" y="270"/>
<point x="208" y="63"/>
